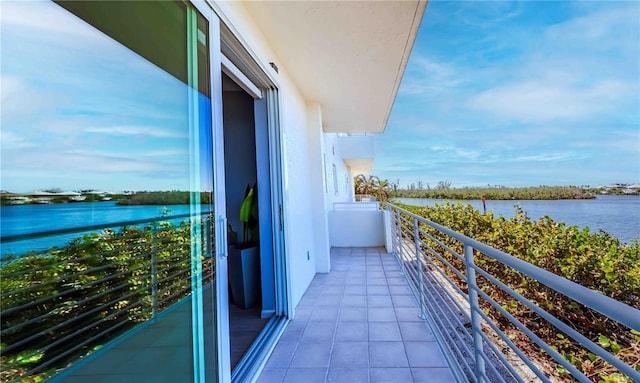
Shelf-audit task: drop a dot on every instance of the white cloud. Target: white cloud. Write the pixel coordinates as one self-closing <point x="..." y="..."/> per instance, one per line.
<point x="456" y="151"/>
<point x="547" y="99"/>
<point x="485" y="14"/>
<point x="13" y="141"/>
<point x="544" y="157"/>
<point x="15" y="13"/>
<point x="614" y="27"/>
<point x="428" y="76"/>
<point x="575" y="70"/>
<point x="131" y="130"/>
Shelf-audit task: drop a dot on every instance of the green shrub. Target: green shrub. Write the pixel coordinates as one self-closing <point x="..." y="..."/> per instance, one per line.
<point x="595" y="260"/>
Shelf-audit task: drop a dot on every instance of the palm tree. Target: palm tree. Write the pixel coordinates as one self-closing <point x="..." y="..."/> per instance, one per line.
<point x="372" y="185"/>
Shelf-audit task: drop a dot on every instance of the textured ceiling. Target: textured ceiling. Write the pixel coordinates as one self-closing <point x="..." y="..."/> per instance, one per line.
<point x="347" y="56"/>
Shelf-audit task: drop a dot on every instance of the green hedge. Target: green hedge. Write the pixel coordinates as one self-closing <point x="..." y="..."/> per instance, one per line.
<point x="598" y="261"/>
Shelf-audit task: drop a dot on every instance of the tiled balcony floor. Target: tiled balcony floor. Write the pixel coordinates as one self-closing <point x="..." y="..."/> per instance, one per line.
<point x="358" y="323"/>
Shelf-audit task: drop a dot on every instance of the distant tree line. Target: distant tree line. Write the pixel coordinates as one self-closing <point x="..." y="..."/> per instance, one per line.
<point x="383" y="190"/>
<point x="173" y="197"/>
<point x="444" y="191"/>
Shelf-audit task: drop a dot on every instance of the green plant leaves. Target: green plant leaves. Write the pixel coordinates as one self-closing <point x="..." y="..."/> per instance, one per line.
<point x="595" y="260"/>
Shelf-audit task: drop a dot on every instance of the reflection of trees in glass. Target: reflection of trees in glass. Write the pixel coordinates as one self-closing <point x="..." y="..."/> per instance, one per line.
<point x="95" y="288"/>
<point x="174" y="197"/>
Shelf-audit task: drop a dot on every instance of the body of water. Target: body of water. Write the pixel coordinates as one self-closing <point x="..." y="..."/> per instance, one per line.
<point x="617" y="215"/>
<point x="24" y="219"/>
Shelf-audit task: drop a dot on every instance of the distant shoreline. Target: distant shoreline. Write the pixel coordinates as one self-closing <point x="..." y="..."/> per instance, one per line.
<point x="513" y="194"/>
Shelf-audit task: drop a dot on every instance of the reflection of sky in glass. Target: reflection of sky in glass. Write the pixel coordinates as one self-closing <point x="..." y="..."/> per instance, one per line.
<point x="80" y="111"/>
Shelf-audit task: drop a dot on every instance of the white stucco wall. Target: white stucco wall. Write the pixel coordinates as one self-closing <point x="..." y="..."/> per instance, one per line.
<point x="317" y="197"/>
<point x="353" y="228"/>
<point x="344" y="190"/>
<point x="297" y="144"/>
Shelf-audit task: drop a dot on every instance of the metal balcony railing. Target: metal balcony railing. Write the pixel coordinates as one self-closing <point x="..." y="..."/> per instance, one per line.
<point x="63" y="303"/>
<point x="364" y="198"/>
<point x="478" y="334"/>
<point x="356" y="206"/>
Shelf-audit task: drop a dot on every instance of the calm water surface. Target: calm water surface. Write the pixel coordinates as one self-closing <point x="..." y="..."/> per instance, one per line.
<point x="617" y="215"/>
<point x="22" y="219"/>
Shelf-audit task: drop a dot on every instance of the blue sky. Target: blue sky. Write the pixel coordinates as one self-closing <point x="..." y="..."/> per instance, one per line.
<point x="496" y="92"/>
<point x="80" y="111"/>
<point x="518" y="94"/>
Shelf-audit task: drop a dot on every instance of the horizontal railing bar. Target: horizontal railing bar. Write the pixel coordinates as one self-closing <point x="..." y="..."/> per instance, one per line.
<point x="75" y="333"/>
<point x="612" y="308"/>
<point x="460" y="325"/>
<point x="102" y="254"/>
<point x="514" y="348"/>
<point x="176" y="260"/>
<point x="75" y="348"/>
<point x="62" y="324"/>
<point x="453" y="326"/>
<point x="52" y="312"/>
<point x="444" y="275"/>
<point x="548" y="349"/>
<point x="171" y="276"/>
<point x="463" y="310"/>
<point x="445" y="247"/>
<point x="174" y="294"/>
<point x="426" y="267"/>
<point x="453" y="269"/>
<point x="36" y="287"/>
<point x="583" y="340"/>
<point x="67" y="261"/>
<point x="50" y="233"/>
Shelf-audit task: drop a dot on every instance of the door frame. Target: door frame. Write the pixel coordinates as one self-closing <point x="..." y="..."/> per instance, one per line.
<point x="222" y="366"/>
<point x="229" y="50"/>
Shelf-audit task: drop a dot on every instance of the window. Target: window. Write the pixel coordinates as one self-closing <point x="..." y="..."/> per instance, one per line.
<point x="335" y="180"/>
<point x="324" y="173"/>
<point x="103" y="98"/>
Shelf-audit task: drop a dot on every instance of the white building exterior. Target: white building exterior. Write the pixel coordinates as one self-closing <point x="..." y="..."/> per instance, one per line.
<point x="318" y="78"/>
<point x="339" y="69"/>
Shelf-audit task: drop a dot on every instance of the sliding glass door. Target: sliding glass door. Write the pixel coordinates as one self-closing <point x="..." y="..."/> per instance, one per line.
<point x="113" y="192"/>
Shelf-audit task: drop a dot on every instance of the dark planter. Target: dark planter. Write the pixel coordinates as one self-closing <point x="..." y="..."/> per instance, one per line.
<point x="244" y="276"/>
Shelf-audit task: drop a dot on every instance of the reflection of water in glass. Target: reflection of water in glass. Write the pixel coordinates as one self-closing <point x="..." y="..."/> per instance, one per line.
<point x="22" y="219"/>
<point x="617" y="215"/>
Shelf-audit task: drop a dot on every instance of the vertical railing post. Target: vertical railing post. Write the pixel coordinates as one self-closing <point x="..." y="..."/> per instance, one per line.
<point x="476" y="324"/>
<point x="154" y="274"/>
<point x="416" y="239"/>
<point x="395" y="231"/>
<point x="400" y="241"/>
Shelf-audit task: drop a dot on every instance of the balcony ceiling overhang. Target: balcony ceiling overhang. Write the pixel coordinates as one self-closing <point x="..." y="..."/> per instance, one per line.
<point x="347" y="56"/>
<point x="359" y="165"/>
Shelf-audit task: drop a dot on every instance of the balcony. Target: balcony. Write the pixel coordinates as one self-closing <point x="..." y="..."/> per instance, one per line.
<point x="420" y="312"/>
<point x="358" y="323"/>
<point x="357" y="152"/>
